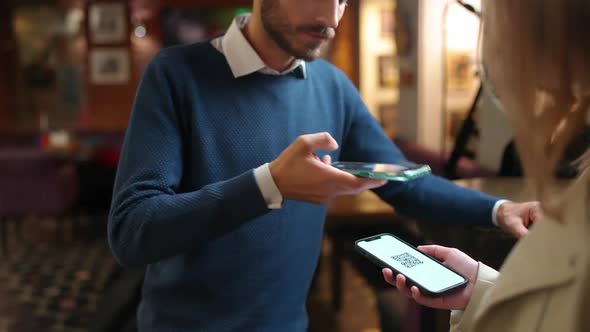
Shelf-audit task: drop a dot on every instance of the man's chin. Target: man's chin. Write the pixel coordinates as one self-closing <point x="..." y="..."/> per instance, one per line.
<point x="308" y="55"/>
<point x="307" y="58"/>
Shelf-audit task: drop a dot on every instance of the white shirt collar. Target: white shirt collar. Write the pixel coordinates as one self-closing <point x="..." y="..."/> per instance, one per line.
<point x="241" y="56"/>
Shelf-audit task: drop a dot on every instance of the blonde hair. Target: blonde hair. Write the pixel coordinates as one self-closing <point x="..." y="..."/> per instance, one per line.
<point x="537" y="57"/>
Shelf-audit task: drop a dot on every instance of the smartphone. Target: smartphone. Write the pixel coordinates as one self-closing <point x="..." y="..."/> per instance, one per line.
<point x="423" y="271"/>
<point x="392" y="172"/>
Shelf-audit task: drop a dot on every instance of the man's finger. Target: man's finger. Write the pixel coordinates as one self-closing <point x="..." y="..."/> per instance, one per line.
<point x="353" y="181"/>
<point x="365" y="184"/>
<point x="319" y="141"/>
<point x="535" y="213"/>
<point x="519" y="230"/>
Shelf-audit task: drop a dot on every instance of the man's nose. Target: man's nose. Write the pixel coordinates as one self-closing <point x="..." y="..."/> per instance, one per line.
<point x="329" y="13"/>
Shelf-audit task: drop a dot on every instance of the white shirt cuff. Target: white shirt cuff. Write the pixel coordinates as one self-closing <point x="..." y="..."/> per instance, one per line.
<point x="271" y="194"/>
<point x="495" y="210"/>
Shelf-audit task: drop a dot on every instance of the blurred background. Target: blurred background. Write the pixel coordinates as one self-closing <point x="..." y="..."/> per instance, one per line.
<point x="68" y="76"/>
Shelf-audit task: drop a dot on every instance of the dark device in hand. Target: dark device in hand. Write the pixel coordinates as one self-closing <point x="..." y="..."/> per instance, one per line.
<point x="421" y="270"/>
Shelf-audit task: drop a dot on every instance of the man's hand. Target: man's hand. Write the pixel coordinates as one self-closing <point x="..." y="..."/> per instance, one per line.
<point x="300" y="175"/>
<point x="515" y="218"/>
<point x="453" y="258"/>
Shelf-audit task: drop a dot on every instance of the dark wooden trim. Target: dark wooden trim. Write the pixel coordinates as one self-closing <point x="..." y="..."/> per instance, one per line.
<point x="8" y="65"/>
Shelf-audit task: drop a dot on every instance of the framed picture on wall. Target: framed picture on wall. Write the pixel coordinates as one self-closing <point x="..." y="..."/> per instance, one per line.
<point x="388" y="71"/>
<point x="109" y="66"/>
<point x="107" y="22"/>
<point x="460" y="71"/>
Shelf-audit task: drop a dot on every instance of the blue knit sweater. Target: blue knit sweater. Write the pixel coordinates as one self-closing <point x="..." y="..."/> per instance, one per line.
<point x="187" y="206"/>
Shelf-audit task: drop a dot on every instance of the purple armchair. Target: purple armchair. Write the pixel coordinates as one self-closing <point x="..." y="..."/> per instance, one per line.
<point x="32" y="183"/>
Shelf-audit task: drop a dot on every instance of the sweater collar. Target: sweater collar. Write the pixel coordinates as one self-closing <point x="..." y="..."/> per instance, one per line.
<point x="241" y="56"/>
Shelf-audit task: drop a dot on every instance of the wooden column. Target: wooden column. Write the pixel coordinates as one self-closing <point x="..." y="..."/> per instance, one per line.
<point x="345" y="52"/>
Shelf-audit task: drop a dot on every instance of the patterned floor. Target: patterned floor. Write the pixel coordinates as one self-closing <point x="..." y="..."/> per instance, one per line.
<point x="52" y="287"/>
<point x="49" y="286"/>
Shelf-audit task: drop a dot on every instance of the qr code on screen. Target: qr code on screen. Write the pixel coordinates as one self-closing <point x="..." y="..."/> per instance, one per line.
<point x="407" y="260"/>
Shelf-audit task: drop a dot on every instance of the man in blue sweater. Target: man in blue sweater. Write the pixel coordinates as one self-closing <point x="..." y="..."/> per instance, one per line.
<point x="219" y="191"/>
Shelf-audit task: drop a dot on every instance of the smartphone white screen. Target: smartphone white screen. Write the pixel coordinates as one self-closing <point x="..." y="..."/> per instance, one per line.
<point x="412" y="263"/>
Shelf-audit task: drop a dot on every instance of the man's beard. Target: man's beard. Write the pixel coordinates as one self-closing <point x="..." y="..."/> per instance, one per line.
<point x="279" y="29"/>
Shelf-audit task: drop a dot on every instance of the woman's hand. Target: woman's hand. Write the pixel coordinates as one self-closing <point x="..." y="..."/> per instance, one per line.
<point x="450" y="257"/>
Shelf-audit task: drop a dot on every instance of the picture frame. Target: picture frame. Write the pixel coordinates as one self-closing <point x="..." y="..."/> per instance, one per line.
<point x="107" y="22"/>
<point x="109" y="66"/>
<point x="388" y="71"/>
<point x="460" y="71"/>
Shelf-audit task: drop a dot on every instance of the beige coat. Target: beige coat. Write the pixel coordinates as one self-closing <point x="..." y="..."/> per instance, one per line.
<point x="543" y="284"/>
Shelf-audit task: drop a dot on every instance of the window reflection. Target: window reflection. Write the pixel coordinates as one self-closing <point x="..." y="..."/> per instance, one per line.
<point x="51" y="51"/>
